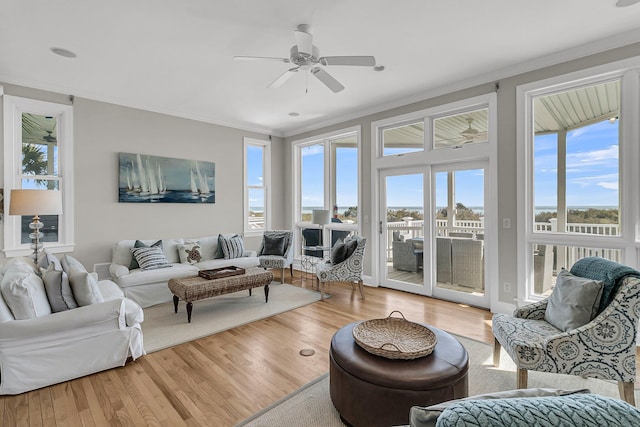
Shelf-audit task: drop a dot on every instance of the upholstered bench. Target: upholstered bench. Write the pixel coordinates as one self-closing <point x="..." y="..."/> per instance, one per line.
<point x="195" y="288"/>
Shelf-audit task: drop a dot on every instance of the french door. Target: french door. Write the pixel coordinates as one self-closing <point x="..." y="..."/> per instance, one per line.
<point x="432" y="231"/>
<point x="402" y="230"/>
<point x="458" y="233"/>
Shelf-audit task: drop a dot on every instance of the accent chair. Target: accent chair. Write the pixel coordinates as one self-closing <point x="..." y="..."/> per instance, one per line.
<point x="276" y="251"/>
<point x="604" y="348"/>
<point x="347" y="270"/>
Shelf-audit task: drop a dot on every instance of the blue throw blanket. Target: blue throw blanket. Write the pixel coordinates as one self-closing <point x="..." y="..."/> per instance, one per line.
<point x="609" y="272"/>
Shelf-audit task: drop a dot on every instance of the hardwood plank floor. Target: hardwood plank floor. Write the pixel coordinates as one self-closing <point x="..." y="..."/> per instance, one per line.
<point x="224" y="378"/>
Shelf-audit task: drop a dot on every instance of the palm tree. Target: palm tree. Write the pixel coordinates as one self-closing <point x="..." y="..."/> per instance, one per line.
<point x="33" y="161"/>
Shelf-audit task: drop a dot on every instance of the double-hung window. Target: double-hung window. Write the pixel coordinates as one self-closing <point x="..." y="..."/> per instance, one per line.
<point x="257" y="201"/>
<point x="38" y="154"/>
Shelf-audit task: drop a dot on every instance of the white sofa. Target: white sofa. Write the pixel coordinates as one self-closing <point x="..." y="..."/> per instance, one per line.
<point x="149" y="287"/>
<point x="52" y="348"/>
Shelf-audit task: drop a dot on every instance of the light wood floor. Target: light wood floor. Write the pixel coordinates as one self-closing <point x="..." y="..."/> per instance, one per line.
<point x="222" y="379"/>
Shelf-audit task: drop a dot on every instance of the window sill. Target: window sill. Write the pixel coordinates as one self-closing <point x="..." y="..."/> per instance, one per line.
<point x="56" y="248"/>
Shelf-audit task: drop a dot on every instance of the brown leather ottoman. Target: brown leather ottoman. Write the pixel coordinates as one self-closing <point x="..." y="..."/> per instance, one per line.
<point x="369" y="390"/>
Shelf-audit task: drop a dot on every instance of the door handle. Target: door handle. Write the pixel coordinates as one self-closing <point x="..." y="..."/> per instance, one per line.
<point x="380" y="227"/>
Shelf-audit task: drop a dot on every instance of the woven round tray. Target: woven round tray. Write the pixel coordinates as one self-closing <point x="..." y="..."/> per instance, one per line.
<point x="395" y="338"/>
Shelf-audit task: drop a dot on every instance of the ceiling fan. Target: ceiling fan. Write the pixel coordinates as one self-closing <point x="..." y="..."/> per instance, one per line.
<point x="468" y="135"/>
<point x="48" y="137"/>
<point x="305" y="56"/>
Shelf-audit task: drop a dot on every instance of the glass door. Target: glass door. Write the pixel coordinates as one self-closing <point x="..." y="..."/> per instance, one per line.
<point x="458" y="234"/>
<point x="402" y="230"/>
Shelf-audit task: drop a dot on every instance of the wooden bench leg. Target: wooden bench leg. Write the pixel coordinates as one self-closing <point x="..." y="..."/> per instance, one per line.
<point x="189" y="309"/>
<point x="522" y="378"/>
<point x="496" y="352"/>
<point x="175" y="303"/>
<point x="627" y="392"/>
<point x="266" y="293"/>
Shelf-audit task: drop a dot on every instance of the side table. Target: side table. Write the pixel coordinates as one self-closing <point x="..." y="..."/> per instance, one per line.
<point x="309" y="262"/>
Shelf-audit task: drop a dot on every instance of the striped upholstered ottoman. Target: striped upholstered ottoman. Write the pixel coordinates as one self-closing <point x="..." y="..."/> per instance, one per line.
<point x="190" y="289"/>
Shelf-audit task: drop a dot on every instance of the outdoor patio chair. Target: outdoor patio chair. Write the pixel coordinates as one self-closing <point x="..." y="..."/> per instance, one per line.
<point x="276" y="251"/>
<point x="603" y="348"/>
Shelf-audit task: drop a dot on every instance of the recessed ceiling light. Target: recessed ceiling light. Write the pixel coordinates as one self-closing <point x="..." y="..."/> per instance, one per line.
<point x="294" y="114"/>
<point x="625" y="3"/>
<point x="63" y="52"/>
<point x="378" y="68"/>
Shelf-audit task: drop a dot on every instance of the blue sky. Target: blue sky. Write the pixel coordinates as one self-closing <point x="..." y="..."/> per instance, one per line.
<point x="592" y="174"/>
<point x="592" y="167"/>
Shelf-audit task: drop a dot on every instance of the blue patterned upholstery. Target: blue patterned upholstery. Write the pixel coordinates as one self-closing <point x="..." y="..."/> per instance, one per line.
<point x="349" y="270"/>
<point x="276" y="261"/>
<point x="604" y="348"/>
<point x="587" y="410"/>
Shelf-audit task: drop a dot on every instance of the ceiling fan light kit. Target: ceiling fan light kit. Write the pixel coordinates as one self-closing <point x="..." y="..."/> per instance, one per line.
<point x="307" y="57"/>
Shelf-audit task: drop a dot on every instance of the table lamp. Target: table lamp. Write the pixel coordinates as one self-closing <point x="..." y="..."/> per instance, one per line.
<point x="35" y="202"/>
<point x="320" y="217"/>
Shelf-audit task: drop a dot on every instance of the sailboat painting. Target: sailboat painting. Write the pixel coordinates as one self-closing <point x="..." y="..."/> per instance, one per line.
<point x="154" y="179"/>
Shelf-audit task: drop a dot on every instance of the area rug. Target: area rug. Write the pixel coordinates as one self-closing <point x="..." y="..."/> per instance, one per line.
<point x="311" y="404"/>
<point x="163" y="328"/>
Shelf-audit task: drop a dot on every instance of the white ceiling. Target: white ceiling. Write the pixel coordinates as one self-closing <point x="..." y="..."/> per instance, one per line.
<point x="176" y="57"/>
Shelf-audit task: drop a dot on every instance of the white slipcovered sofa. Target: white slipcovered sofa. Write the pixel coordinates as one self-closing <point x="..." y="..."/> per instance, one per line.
<point x="39" y="347"/>
<point x="149" y="287"/>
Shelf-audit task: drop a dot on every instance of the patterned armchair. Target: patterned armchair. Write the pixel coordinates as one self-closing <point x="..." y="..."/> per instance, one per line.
<point x="604" y="348"/>
<point x="268" y="260"/>
<point x="349" y="270"/>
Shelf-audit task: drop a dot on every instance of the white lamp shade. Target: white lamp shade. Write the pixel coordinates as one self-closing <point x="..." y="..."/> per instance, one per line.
<point x="320" y="216"/>
<point x="35" y="202"/>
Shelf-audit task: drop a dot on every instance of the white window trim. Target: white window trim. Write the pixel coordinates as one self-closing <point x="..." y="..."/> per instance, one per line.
<point x="13" y="108"/>
<point x="266" y="185"/>
<point x="437" y="156"/>
<point x="296" y="160"/>
<point x="627" y="71"/>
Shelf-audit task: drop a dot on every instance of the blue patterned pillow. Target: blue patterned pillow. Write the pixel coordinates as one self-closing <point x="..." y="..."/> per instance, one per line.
<point x="588" y="410"/>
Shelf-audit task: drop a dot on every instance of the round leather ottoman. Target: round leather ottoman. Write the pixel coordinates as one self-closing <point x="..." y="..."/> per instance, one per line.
<point x="369" y="390"/>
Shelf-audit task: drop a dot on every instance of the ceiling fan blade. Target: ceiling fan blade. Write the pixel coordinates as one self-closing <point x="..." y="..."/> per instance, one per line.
<point x="259" y="58"/>
<point x="283" y="78"/>
<point x="326" y="78"/>
<point x="362" y="61"/>
<point x="304" y="41"/>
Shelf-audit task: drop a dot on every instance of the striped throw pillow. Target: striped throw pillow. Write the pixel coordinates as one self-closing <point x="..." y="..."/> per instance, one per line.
<point x="232" y="247"/>
<point x="150" y="258"/>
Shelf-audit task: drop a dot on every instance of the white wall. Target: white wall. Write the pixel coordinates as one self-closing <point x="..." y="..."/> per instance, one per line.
<point x="102" y="130"/>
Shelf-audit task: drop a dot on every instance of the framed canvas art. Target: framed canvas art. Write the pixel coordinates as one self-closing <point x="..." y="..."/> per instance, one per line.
<point x="154" y="179"/>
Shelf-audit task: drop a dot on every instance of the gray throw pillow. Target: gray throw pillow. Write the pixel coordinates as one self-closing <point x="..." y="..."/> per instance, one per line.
<point x="85" y="287"/>
<point x="574" y="301"/>
<point x="338" y="252"/>
<point x="273" y="245"/>
<point x="139" y="244"/>
<point x="58" y="288"/>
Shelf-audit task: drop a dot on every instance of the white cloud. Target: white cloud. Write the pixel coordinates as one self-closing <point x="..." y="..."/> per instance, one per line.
<point x="595" y="157"/>
<point x="609" y="185"/>
<point x="579" y="132"/>
<point x="608" y="181"/>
